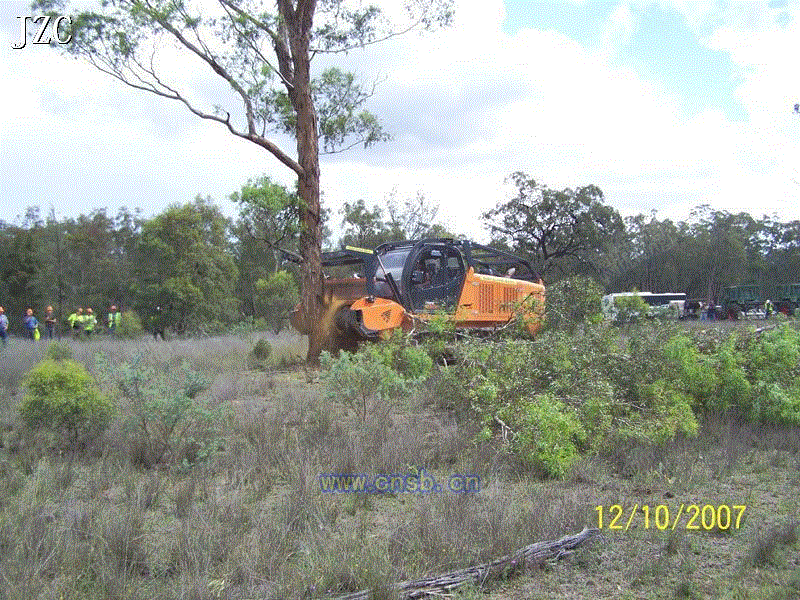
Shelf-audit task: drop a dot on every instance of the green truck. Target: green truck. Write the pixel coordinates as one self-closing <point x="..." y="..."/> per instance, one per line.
<point x="740" y="299"/>
<point x="787" y="298"/>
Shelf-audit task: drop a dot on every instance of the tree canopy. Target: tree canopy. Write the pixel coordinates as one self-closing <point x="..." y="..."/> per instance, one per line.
<point x="184" y="266"/>
<point x="261" y="53"/>
<point x="209" y="273"/>
<point x="559" y="230"/>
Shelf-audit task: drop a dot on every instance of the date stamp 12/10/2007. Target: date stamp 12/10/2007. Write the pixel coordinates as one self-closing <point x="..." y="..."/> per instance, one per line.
<point x="706" y="517"/>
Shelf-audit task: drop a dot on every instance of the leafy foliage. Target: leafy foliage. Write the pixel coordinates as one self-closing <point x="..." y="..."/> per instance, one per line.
<point x="276" y="295"/>
<point x="772" y="366"/>
<point x="130" y="326"/>
<point x="269" y="216"/>
<point x="412" y="362"/>
<point x="592" y="390"/>
<point x="58" y="351"/>
<point x="630" y="309"/>
<point x="560" y="394"/>
<point x="363" y="381"/>
<point x="556" y="229"/>
<point x="573" y="302"/>
<point x="62" y="396"/>
<point x="369" y="227"/>
<point x="260" y="355"/>
<point x="548" y="435"/>
<point x="168" y="420"/>
<point x="185" y="268"/>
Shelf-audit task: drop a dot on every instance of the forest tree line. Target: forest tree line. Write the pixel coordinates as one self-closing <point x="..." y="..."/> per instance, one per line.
<point x="208" y="271"/>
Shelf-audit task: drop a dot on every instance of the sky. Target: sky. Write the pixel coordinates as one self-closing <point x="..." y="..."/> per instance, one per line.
<point x="664" y="105"/>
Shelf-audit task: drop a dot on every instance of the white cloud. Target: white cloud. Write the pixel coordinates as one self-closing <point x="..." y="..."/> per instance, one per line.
<point x="618" y="30"/>
<point x="467" y="107"/>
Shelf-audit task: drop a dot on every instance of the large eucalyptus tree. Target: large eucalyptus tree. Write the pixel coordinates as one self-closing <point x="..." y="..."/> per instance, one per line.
<point x="262" y="52"/>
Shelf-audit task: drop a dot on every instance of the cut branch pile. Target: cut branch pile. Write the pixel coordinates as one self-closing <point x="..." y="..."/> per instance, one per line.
<point x="524" y="558"/>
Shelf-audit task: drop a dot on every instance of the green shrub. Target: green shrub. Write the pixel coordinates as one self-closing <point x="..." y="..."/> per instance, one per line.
<point x="546" y="433"/>
<point x="572" y="302"/>
<point x="631" y="309"/>
<point x="668" y="412"/>
<point x="733" y="390"/>
<point x="168" y="422"/>
<point x="362" y="381"/>
<point x="413" y="363"/>
<point x="58" y="351"/>
<point x="774" y="356"/>
<point x="63" y="396"/>
<point x="130" y="325"/>
<point x="691" y="371"/>
<point x="275" y="297"/>
<point x="259" y="356"/>
<point x="604" y="390"/>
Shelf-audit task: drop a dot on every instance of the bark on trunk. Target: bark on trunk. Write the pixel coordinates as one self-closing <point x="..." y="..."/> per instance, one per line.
<point x="308" y="156"/>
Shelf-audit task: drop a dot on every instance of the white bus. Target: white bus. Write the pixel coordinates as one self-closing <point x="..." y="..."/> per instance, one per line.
<point x="661" y="305"/>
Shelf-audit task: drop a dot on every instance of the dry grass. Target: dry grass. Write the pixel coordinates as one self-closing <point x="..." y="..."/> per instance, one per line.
<point x="253" y="522"/>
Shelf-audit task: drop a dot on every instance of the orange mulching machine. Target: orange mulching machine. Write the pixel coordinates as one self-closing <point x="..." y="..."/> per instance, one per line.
<point x="401" y="285"/>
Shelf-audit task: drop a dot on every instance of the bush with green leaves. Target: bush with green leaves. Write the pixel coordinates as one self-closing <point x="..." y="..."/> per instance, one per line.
<point x="605" y="390"/>
<point x="600" y="390"/>
<point x="691" y="371"/>
<point x="572" y="302"/>
<point x="631" y="309"/>
<point x="275" y="297"/>
<point x="772" y="364"/>
<point x="259" y="356"/>
<point x="62" y="396"/>
<point x="412" y="362"/>
<point x="58" y="351"/>
<point x="363" y="381"/>
<point x="167" y="419"/>
<point x="547" y="434"/>
<point x="130" y="325"/>
<point x="757" y="376"/>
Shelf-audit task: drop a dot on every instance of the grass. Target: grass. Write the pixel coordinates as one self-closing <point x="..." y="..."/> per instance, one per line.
<point x="252" y="522"/>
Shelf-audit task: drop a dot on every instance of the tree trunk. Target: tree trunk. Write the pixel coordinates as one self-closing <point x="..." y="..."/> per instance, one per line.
<point x="308" y="157"/>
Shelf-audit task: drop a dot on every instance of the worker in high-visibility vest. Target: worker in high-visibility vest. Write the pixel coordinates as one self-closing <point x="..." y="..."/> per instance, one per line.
<point x="769" y="309"/>
<point x="76" y="322"/>
<point x="114" y="319"/>
<point x="90" y="321"/>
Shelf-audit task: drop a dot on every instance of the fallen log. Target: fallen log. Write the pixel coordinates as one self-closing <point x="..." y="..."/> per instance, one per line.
<point x="526" y="557"/>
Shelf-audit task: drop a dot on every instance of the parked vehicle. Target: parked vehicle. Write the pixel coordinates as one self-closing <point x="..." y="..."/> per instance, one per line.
<point x="741" y="300"/>
<point x="787" y="298"/>
<point x="662" y="305"/>
<point x="402" y="285"/>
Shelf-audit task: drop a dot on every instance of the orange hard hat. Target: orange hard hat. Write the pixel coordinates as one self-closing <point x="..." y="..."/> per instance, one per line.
<point x="49" y="308"/>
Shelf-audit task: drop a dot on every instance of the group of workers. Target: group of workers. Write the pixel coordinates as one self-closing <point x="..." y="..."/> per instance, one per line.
<point x="81" y="323"/>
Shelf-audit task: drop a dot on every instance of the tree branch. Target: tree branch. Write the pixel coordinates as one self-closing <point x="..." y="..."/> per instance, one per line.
<point x="214" y="64"/>
<point x="285" y="77"/>
<point x="356" y="143"/>
<point x="350" y="47"/>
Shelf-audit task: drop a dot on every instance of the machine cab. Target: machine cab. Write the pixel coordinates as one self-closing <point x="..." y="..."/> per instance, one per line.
<point x="433" y="277"/>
